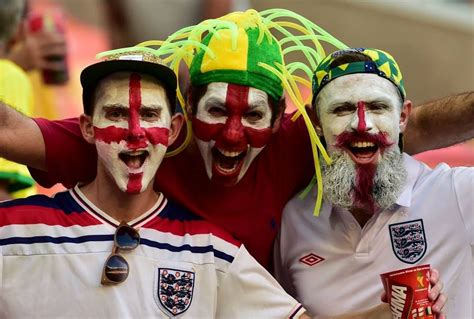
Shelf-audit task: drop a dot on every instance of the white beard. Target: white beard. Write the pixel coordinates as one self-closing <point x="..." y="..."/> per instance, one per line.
<point x="339" y="179"/>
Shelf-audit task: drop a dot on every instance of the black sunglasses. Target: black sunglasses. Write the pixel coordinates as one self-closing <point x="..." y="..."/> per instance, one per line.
<point x="116" y="268"/>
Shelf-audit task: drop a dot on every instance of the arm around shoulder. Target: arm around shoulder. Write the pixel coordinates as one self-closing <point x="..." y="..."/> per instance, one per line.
<point x="440" y="123"/>
<point x="21" y="139"/>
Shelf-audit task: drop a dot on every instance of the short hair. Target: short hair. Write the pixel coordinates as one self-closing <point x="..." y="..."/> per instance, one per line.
<point x="195" y="93"/>
<point x="11" y="12"/>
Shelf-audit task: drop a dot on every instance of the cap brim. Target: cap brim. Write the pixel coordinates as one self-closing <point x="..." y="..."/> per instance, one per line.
<point x="92" y="74"/>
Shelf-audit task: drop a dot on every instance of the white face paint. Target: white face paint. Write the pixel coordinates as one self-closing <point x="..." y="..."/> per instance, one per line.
<point x="232" y="125"/>
<point x="131" y="125"/>
<point x="360" y="103"/>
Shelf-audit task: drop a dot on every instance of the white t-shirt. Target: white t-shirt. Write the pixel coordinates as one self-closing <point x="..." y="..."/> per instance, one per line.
<point x="52" y="251"/>
<point x="332" y="266"/>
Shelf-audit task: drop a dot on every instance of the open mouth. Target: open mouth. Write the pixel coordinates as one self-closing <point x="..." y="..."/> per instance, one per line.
<point x="363" y="152"/>
<point x="134" y="159"/>
<point x="227" y="162"/>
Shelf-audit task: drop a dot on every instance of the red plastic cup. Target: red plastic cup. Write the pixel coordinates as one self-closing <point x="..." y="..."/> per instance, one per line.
<point x="407" y="292"/>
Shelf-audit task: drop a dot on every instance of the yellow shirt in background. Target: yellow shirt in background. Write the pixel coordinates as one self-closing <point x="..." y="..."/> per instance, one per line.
<point x="16" y="91"/>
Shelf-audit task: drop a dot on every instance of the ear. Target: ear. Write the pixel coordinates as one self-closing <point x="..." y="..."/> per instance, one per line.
<point x="177" y="121"/>
<point x="87" y="129"/>
<point x="314" y="119"/>
<point x="405" y="114"/>
<point x="278" y="117"/>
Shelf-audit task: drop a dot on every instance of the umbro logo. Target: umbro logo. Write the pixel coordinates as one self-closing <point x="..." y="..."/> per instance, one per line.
<point x="311" y="259"/>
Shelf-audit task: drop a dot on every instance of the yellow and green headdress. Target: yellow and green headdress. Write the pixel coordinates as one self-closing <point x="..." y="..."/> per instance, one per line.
<point x="250" y="48"/>
<point x="236" y="54"/>
<point x="381" y="64"/>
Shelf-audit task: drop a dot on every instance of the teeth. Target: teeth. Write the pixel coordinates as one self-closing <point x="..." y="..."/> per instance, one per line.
<point x="135" y="153"/>
<point x="362" y="144"/>
<point x="229" y="153"/>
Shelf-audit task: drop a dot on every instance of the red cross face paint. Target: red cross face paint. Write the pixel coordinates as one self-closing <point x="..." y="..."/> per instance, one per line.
<point x="131" y="126"/>
<point x="360" y="114"/>
<point x="231" y="127"/>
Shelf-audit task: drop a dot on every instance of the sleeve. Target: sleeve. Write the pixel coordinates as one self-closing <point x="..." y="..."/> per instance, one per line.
<point x="463" y="179"/>
<point x="247" y="290"/>
<point x="69" y="158"/>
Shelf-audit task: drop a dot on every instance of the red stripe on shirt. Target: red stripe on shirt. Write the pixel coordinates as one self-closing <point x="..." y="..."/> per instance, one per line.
<point x="30" y="214"/>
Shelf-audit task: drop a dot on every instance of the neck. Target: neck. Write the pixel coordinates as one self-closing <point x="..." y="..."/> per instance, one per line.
<point x="104" y="193"/>
<point x="361" y="215"/>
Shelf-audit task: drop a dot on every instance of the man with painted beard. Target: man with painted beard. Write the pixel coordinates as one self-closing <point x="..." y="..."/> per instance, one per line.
<point x="117" y="248"/>
<point x="382" y="209"/>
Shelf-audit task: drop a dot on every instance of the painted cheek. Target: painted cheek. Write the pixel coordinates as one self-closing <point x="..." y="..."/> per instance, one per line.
<point x="361" y="126"/>
<point x="205" y="131"/>
<point x="258" y="138"/>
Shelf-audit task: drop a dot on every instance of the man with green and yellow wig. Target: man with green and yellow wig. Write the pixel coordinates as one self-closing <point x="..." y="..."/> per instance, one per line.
<point x="382" y="210"/>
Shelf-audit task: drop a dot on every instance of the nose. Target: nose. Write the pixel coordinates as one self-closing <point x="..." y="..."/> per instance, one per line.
<point x="136" y="133"/>
<point x="361" y="121"/>
<point x="135" y="130"/>
<point x="233" y="131"/>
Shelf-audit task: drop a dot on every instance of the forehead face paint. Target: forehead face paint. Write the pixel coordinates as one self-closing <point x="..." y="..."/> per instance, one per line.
<point x="131" y="126"/>
<point x="231" y="126"/>
<point x="360" y="114"/>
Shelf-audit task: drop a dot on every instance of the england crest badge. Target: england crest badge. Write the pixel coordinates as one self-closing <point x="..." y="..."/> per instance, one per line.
<point x="174" y="290"/>
<point x="408" y="240"/>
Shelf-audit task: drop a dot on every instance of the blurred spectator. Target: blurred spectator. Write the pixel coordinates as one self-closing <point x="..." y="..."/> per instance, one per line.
<point x="15" y="90"/>
<point x="32" y="51"/>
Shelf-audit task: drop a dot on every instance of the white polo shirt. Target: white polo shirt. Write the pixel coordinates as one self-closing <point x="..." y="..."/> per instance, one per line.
<point x="332" y="265"/>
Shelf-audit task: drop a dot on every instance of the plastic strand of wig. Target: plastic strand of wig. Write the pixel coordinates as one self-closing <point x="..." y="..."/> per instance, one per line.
<point x="307" y="51"/>
<point x="315" y="142"/>
<point x="284" y="13"/>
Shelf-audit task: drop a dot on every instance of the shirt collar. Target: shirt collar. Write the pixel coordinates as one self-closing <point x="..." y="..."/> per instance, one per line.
<point x="413" y="169"/>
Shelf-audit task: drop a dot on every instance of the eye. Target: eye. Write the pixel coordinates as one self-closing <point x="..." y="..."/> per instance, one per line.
<point x="116" y="114"/>
<point x="254" y="116"/>
<point x="378" y="107"/>
<point x="150" y="115"/>
<point x="344" y="110"/>
<point x="217" y="111"/>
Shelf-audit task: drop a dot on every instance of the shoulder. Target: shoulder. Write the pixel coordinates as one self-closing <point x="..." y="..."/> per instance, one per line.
<point x="38" y="208"/>
<point x="441" y="175"/>
<point x="12" y="71"/>
<point x="15" y="87"/>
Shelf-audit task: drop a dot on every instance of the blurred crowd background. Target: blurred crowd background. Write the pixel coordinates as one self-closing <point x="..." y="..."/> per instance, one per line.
<point x="433" y="41"/>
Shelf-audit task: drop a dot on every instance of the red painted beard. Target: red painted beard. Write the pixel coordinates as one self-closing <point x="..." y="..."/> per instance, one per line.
<point x="136" y="137"/>
<point x="365" y="160"/>
<point x="232" y="139"/>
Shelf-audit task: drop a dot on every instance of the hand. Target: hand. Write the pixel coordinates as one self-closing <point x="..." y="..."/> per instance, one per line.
<point x="434" y="294"/>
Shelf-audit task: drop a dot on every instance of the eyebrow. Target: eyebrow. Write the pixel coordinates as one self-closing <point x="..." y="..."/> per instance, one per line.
<point x="142" y="107"/>
<point x="215" y="101"/>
